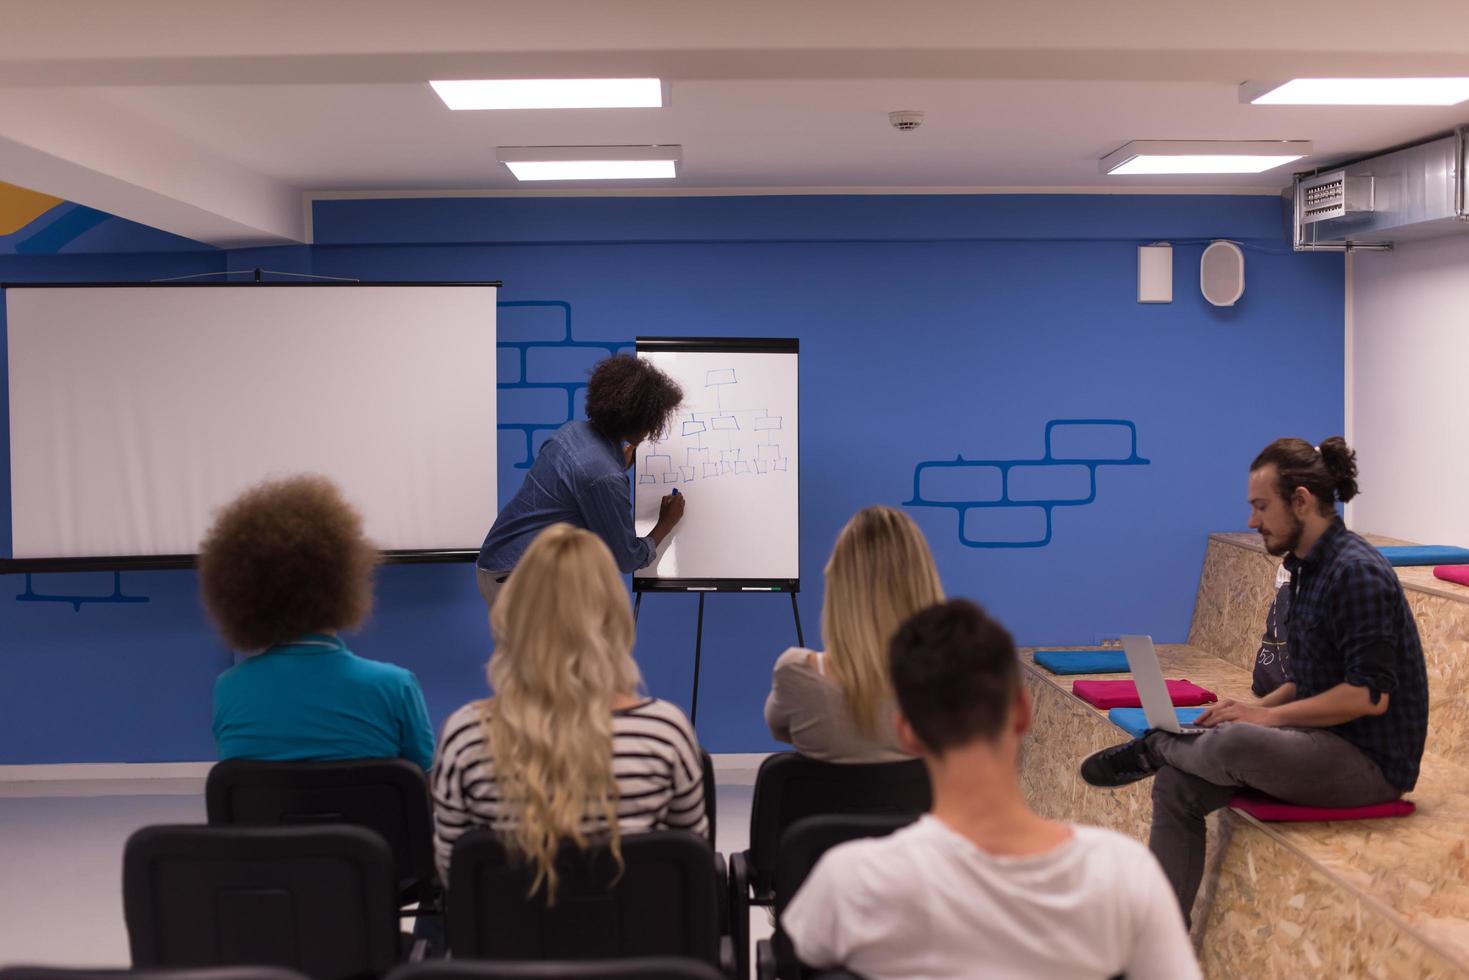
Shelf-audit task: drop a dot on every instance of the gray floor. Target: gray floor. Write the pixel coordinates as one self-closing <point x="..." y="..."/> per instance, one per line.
<point x="61" y="860"/>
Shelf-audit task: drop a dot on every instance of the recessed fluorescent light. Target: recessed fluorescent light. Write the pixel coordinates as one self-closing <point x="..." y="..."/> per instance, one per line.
<point x="1202" y="156"/>
<point x="591" y="162"/>
<point x="1357" y="91"/>
<point x="551" y="93"/>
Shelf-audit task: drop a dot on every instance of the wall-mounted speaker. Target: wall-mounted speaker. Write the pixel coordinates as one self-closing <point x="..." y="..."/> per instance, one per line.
<point x="1222" y="273"/>
<point x="1155" y="273"/>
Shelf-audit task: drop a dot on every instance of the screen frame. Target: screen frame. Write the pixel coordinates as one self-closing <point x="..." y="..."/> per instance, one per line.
<point x="111" y="563"/>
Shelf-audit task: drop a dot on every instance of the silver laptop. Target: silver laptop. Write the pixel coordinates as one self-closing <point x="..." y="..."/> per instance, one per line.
<point x="1142" y="660"/>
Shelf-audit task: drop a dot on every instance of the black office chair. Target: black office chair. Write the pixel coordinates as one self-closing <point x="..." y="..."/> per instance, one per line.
<point x="654" y="968"/>
<point x="208" y="973"/>
<point x="389" y="796"/>
<point x="790" y="786"/>
<point x="321" y="899"/>
<point x="664" y="903"/>
<point x="711" y="798"/>
<point x="801" y="846"/>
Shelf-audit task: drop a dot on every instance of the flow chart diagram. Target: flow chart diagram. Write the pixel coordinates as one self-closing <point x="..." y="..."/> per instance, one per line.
<point x="724" y="439"/>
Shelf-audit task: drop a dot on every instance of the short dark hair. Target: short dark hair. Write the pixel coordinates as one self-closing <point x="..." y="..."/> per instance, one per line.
<point x="284" y="559"/>
<point x="627" y="397"/>
<point x="955" y="673"/>
<point x="1329" y="473"/>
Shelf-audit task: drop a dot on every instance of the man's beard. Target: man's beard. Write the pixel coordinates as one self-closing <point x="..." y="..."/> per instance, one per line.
<point x="1289" y="543"/>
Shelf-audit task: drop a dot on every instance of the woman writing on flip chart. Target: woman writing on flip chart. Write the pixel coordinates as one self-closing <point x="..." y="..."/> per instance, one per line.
<point x="580" y="475"/>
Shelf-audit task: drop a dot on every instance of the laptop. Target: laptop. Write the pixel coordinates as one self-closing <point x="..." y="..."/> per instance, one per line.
<point x="1142" y="660"/>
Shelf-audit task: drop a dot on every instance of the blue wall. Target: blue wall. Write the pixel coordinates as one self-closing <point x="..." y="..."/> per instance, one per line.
<point x="930" y="327"/>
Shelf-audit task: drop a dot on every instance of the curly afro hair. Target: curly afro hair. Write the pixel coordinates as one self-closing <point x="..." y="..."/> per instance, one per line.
<point x="286" y="558"/>
<point x="628" y="398"/>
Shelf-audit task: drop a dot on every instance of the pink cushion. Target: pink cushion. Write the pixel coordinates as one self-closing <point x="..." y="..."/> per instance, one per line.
<point x="1123" y="694"/>
<point x="1453" y="573"/>
<point x="1265" y="808"/>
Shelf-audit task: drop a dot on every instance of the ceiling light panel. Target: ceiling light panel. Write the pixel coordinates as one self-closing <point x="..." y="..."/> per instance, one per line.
<point x="1202" y="156"/>
<point x="531" y="163"/>
<point x="1357" y="91"/>
<point x="552" y="93"/>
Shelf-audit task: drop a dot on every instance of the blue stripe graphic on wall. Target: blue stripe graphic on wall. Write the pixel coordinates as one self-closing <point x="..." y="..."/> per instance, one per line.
<point x="550" y="368"/>
<point x="985" y="493"/>
<point x="67" y="227"/>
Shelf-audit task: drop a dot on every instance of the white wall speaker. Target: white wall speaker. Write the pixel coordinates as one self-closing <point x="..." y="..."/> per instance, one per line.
<point x="1222" y="273"/>
<point x="1155" y="273"/>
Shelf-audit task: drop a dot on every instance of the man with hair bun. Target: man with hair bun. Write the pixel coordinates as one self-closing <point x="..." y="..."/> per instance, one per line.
<point x="580" y="475"/>
<point x="1348" y="726"/>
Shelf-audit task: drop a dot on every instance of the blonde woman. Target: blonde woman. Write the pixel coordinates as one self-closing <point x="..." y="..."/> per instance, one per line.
<point x="566" y="748"/>
<point x="838" y="706"/>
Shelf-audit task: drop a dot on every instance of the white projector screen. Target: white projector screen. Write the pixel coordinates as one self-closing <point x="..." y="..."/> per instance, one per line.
<point x="136" y="411"/>
<point x="733" y="450"/>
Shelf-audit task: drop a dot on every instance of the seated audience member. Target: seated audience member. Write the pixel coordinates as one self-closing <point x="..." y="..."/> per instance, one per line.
<point x="284" y="567"/>
<point x="981" y="886"/>
<point x="1347" y="727"/>
<point x="565" y="748"/>
<point x="838" y="706"/>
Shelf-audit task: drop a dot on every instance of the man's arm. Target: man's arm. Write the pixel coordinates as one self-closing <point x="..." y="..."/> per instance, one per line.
<point x="1283" y="694"/>
<point x="1335" y="706"/>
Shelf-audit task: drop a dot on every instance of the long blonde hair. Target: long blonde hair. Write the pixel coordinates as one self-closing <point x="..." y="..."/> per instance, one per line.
<point x="880" y="573"/>
<point x="563" y="634"/>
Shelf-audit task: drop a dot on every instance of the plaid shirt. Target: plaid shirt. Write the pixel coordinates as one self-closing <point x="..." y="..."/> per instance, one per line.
<point x="1349" y="622"/>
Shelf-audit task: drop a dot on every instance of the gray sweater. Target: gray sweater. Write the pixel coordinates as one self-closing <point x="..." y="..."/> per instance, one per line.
<point x="807" y="709"/>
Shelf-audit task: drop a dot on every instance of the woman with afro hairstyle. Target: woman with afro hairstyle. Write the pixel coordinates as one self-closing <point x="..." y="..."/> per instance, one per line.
<point x="283" y="569"/>
<point x="579" y="476"/>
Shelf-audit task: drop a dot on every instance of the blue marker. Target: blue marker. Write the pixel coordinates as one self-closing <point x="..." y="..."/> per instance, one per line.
<point x="675" y="491"/>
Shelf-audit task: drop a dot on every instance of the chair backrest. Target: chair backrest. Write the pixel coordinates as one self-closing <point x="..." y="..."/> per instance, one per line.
<point x="321" y="900"/>
<point x="801" y="846"/>
<point x="207" y="973"/>
<point x="711" y="800"/>
<point x="639" y="968"/>
<point x="389" y="796"/>
<point x="790" y="787"/>
<point x="663" y="904"/>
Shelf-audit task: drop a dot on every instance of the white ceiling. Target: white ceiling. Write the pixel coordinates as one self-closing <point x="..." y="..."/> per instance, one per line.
<point x="212" y="123"/>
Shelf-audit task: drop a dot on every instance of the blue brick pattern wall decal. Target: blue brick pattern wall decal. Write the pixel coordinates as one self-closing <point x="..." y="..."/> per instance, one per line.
<point x="997" y="487"/>
<point x="543" y="367"/>
<point x="77" y="601"/>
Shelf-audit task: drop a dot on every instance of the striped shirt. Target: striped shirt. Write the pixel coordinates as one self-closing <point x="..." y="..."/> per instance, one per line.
<point x="655" y="759"/>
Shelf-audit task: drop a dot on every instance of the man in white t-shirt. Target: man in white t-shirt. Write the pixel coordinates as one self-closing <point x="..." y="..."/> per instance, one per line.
<point x="982" y="886"/>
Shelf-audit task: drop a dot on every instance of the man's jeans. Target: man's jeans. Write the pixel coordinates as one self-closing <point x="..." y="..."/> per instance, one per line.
<point x="1201" y="773"/>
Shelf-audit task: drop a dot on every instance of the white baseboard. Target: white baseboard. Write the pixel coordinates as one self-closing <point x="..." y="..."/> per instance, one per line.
<point x="736" y="768"/>
<point x="71" y="771"/>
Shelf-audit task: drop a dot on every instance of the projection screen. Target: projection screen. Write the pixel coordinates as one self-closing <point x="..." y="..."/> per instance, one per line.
<point x="136" y="411"/>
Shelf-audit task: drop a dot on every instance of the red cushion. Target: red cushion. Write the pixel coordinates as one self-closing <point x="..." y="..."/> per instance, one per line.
<point x="1265" y="808"/>
<point x="1453" y="573"/>
<point x="1123" y="694"/>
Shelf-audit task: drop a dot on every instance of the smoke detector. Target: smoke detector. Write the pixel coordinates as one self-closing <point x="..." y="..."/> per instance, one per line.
<point x="905" y="120"/>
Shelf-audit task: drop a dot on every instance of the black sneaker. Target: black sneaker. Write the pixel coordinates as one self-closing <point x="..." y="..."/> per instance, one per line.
<point x="1119" y="765"/>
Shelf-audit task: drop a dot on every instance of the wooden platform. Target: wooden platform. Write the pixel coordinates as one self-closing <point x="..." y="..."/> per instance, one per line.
<point x="1351" y="898"/>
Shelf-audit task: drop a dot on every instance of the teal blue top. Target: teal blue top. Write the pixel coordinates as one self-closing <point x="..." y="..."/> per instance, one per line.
<point x="315" y="699"/>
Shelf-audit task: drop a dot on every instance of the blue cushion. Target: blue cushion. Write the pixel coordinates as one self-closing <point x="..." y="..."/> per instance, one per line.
<point x="1425" y="554"/>
<point x="1134" y="722"/>
<point x="1082" y="661"/>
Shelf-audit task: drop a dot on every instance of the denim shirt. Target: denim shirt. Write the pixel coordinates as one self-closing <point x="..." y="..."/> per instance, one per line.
<point x="579" y="477"/>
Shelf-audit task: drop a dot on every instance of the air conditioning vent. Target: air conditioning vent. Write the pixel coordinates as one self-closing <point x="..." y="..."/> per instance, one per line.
<point x="1334" y="195"/>
<point x="1415" y="192"/>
